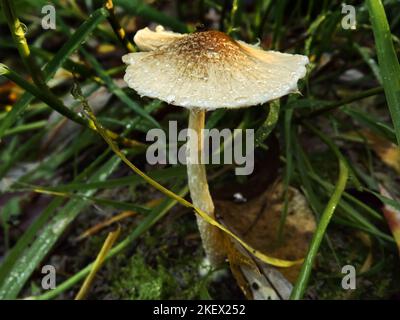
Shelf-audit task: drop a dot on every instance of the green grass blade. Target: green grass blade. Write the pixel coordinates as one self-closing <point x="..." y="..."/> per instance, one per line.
<point x="370" y="61"/>
<point x="26" y="127"/>
<point x="370" y="122"/>
<point x="120" y="205"/>
<point x="269" y="124"/>
<point x="21" y="152"/>
<point x="302" y="281"/>
<point x="388" y="61"/>
<point x="305" y="272"/>
<point x="288" y="170"/>
<point x="51" y="100"/>
<point x="303" y="167"/>
<point x="25" y="239"/>
<point x="162" y="174"/>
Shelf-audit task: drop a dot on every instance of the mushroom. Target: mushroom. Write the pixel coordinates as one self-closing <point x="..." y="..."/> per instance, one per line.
<point x="204" y="71"/>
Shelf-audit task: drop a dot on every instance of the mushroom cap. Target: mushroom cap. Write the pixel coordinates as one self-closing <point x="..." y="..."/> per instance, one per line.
<point x="209" y="70"/>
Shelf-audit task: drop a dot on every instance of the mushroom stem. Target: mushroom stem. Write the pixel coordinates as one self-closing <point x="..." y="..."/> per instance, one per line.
<point x="199" y="191"/>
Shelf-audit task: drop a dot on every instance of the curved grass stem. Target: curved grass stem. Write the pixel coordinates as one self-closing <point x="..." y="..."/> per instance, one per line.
<point x="263" y="257"/>
<point x="305" y="272"/>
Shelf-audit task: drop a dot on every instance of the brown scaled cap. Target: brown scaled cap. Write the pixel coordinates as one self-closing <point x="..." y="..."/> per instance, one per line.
<point x="209" y="70"/>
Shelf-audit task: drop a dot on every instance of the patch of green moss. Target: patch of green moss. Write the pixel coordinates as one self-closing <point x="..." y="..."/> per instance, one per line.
<point x="139" y="281"/>
<point x="164" y="266"/>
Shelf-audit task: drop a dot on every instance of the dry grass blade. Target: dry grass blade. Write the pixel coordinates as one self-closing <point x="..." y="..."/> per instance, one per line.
<point x="96" y="228"/>
<point x="111" y="238"/>
<point x="119" y="217"/>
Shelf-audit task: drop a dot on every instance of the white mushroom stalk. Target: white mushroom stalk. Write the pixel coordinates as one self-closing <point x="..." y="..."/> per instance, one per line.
<point x="199" y="191"/>
<point x="205" y="71"/>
